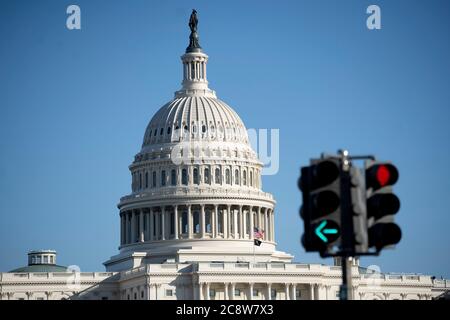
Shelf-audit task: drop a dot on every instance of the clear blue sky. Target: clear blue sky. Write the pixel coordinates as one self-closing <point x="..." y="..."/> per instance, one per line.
<point x="74" y="106"/>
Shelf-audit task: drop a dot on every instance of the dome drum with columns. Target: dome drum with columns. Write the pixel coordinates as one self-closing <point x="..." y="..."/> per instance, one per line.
<point x="196" y="184"/>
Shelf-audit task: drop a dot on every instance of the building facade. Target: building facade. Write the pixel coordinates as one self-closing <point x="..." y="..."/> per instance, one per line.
<point x="188" y="226"/>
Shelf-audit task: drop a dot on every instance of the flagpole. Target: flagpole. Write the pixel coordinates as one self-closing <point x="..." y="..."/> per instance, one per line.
<point x="254" y="261"/>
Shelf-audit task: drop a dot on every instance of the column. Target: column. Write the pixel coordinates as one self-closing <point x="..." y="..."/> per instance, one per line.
<point x="250" y="291"/>
<point x="133" y="227"/>
<point x="122" y="227"/>
<point x="213" y="223"/>
<point x="233" y="288"/>
<point x="200" y="291"/>
<point x="293" y="291"/>
<point x="225" y="291"/>
<point x="163" y="223"/>
<point x="216" y="222"/>
<point x="202" y="221"/>
<point x="224" y="224"/>
<point x="286" y="291"/>
<point x="242" y="217"/>
<point x="207" y="291"/>
<point x="269" y="291"/>
<point x="141" y="225"/>
<point x="244" y="225"/>
<point x="235" y="225"/>
<point x="190" y="223"/>
<point x="272" y="224"/>
<point x="266" y="225"/>
<point x="151" y="215"/>
<point x="311" y="291"/>
<point x="175" y="221"/>
<point x="258" y="218"/>
<point x="250" y="215"/>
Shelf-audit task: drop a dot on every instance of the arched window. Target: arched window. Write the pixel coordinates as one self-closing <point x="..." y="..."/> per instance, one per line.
<point x="207" y="176"/>
<point x="173" y="177"/>
<point x="217" y="177"/>
<point x="161" y="131"/>
<point x="154" y="179"/>
<point x="196" y="179"/>
<point x="236" y="177"/>
<point x="163" y="178"/>
<point x="184" y="177"/>
<point x="203" y="128"/>
<point x="244" y="177"/>
<point x="251" y="178"/>
<point x="146" y="179"/>
<point x="227" y="176"/>
<point x="140" y="181"/>
<point x="168" y="130"/>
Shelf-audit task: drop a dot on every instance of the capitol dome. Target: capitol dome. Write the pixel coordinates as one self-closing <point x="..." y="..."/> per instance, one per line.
<point x="196" y="189"/>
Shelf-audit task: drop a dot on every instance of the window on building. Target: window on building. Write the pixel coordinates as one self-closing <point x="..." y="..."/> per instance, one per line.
<point x="251" y="178"/>
<point x="236" y="177"/>
<point x="128" y="297"/>
<point x="227" y="176"/>
<point x="172" y="223"/>
<point x="196" y="221"/>
<point x="255" y="292"/>
<point x="237" y="292"/>
<point x="52" y="259"/>
<point x="207" y="176"/>
<point x="208" y="220"/>
<point x="156" y="131"/>
<point x="38" y="259"/>
<point x="273" y="293"/>
<point x="140" y="181"/>
<point x="169" y="292"/>
<point x="298" y="293"/>
<point x="45" y="259"/>
<point x="161" y="131"/>
<point x="184" y="177"/>
<point x="142" y="294"/>
<point x="244" y="177"/>
<point x="154" y="179"/>
<point x="196" y="180"/>
<point x="184" y="222"/>
<point x="163" y="178"/>
<point x="212" y="293"/>
<point x="173" y="177"/>
<point x="168" y="130"/>
<point x="146" y="180"/>
<point x="203" y="128"/>
<point x="217" y="177"/>
<point x="135" y="296"/>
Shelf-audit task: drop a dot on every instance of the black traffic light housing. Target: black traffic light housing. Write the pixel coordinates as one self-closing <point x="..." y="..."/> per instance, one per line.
<point x="320" y="186"/>
<point x="382" y="204"/>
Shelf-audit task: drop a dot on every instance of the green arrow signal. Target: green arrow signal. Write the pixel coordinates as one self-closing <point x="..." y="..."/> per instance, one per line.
<point x="320" y="231"/>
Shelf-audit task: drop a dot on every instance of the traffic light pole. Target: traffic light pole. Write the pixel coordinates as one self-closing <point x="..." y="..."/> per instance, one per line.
<point x="347" y="248"/>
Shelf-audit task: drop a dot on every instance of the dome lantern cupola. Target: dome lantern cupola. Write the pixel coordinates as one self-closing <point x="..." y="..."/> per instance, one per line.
<point x="194" y="66"/>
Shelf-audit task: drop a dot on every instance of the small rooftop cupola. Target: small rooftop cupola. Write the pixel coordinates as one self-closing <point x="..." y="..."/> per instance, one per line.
<point x="47" y="257"/>
<point x="194" y="65"/>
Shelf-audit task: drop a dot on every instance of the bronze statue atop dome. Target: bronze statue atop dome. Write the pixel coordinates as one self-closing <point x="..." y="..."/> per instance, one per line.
<point x="194" y="45"/>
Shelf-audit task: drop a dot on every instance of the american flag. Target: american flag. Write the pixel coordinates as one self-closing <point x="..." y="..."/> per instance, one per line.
<point x="258" y="234"/>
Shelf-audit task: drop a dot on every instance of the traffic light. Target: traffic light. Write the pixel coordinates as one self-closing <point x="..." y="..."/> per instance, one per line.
<point x="360" y="238"/>
<point x="320" y="186"/>
<point x="381" y="204"/>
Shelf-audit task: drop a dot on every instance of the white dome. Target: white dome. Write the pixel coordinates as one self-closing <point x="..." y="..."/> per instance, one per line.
<point x="203" y="117"/>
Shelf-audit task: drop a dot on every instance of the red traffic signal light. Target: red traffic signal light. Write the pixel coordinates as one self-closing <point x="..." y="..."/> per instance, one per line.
<point x="381" y="175"/>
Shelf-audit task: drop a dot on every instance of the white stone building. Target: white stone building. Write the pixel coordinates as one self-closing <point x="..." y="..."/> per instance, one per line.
<point x="187" y="228"/>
